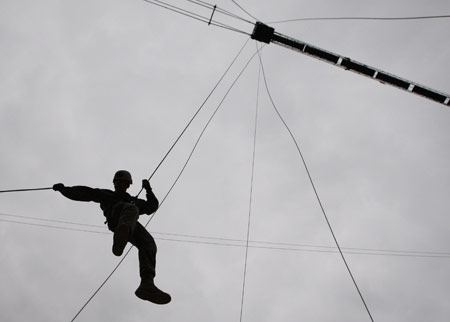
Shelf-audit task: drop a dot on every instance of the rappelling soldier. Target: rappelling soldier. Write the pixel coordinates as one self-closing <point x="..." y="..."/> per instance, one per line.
<point x="122" y="212"/>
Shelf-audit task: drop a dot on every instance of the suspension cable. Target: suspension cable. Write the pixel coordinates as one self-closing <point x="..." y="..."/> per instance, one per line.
<point x="196" y="113"/>
<point x="203" y="131"/>
<point x="315" y="192"/>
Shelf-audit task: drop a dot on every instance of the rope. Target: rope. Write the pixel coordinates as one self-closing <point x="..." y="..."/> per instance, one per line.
<point x="251" y="193"/>
<point x="176" y="180"/>
<point x="52" y="220"/>
<point x="204" y="129"/>
<point x="315" y="192"/>
<point x="196" y="113"/>
<point x="22" y="190"/>
<point x="55" y="227"/>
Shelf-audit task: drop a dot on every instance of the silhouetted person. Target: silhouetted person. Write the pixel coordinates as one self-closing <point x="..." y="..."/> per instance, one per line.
<point x="122" y="212"/>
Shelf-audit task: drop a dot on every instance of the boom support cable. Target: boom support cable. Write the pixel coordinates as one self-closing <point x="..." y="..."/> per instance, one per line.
<point x="174" y="183"/>
<point x="362" y="18"/>
<point x="200" y="17"/>
<point x="240" y="7"/>
<point x="315" y="191"/>
<point x="225" y="12"/>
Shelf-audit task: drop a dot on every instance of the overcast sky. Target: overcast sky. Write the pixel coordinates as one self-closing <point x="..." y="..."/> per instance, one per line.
<point x="90" y="87"/>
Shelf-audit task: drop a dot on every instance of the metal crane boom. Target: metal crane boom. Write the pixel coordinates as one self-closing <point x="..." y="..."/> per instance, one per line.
<point x="267" y="34"/>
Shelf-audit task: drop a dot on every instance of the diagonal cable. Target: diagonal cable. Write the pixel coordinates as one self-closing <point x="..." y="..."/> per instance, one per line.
<point x="251" y="191"/>
<point x="362" y="18"/>
<point x="197" y="16"/>
<point x="315" y="192"/>
<point x="240" y="7"/>
<point x="176" y="9"/>
<point x="196" y="113"/>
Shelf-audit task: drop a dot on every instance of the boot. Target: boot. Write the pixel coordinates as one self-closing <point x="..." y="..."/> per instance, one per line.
<point x="149" y="292"/>
<point x="120" y="239"/>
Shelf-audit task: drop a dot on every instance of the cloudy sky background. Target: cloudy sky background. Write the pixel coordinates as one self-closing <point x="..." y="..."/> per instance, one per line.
<point x="89" y="87"/>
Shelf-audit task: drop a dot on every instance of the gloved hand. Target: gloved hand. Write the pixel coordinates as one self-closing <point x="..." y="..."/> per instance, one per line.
<point x="58" y="187"/>
<point x="146" y="185"/>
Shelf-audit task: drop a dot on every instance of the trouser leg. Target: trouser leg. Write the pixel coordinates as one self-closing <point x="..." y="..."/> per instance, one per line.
<point x="146" y="246"/>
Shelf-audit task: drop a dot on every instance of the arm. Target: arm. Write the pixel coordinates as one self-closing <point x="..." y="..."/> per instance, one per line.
<point x="83" y="193"/>
<point x="150" y="205"/>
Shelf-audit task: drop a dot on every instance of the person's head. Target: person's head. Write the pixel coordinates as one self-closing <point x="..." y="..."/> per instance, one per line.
<point x="122" y="180"/>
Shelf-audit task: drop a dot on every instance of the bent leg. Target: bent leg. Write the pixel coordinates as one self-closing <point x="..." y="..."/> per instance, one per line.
<point x="129" y="216"/>
<point x="123" y="213"/>
<point x="123" y="226"/>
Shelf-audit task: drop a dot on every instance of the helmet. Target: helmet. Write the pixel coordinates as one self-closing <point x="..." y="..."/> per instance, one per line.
<point x="123" y="175"/>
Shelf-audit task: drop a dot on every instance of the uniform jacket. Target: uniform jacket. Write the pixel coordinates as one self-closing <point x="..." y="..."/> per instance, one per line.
<point x="109" y="200"/>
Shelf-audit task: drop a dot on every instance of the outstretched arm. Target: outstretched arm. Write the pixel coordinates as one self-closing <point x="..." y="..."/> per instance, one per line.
<point x="80" y="193"/>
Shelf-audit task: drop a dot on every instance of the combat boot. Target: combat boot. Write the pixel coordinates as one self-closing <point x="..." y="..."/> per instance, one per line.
<point x="120" y="239"/>
<point x="149" y="292"/>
